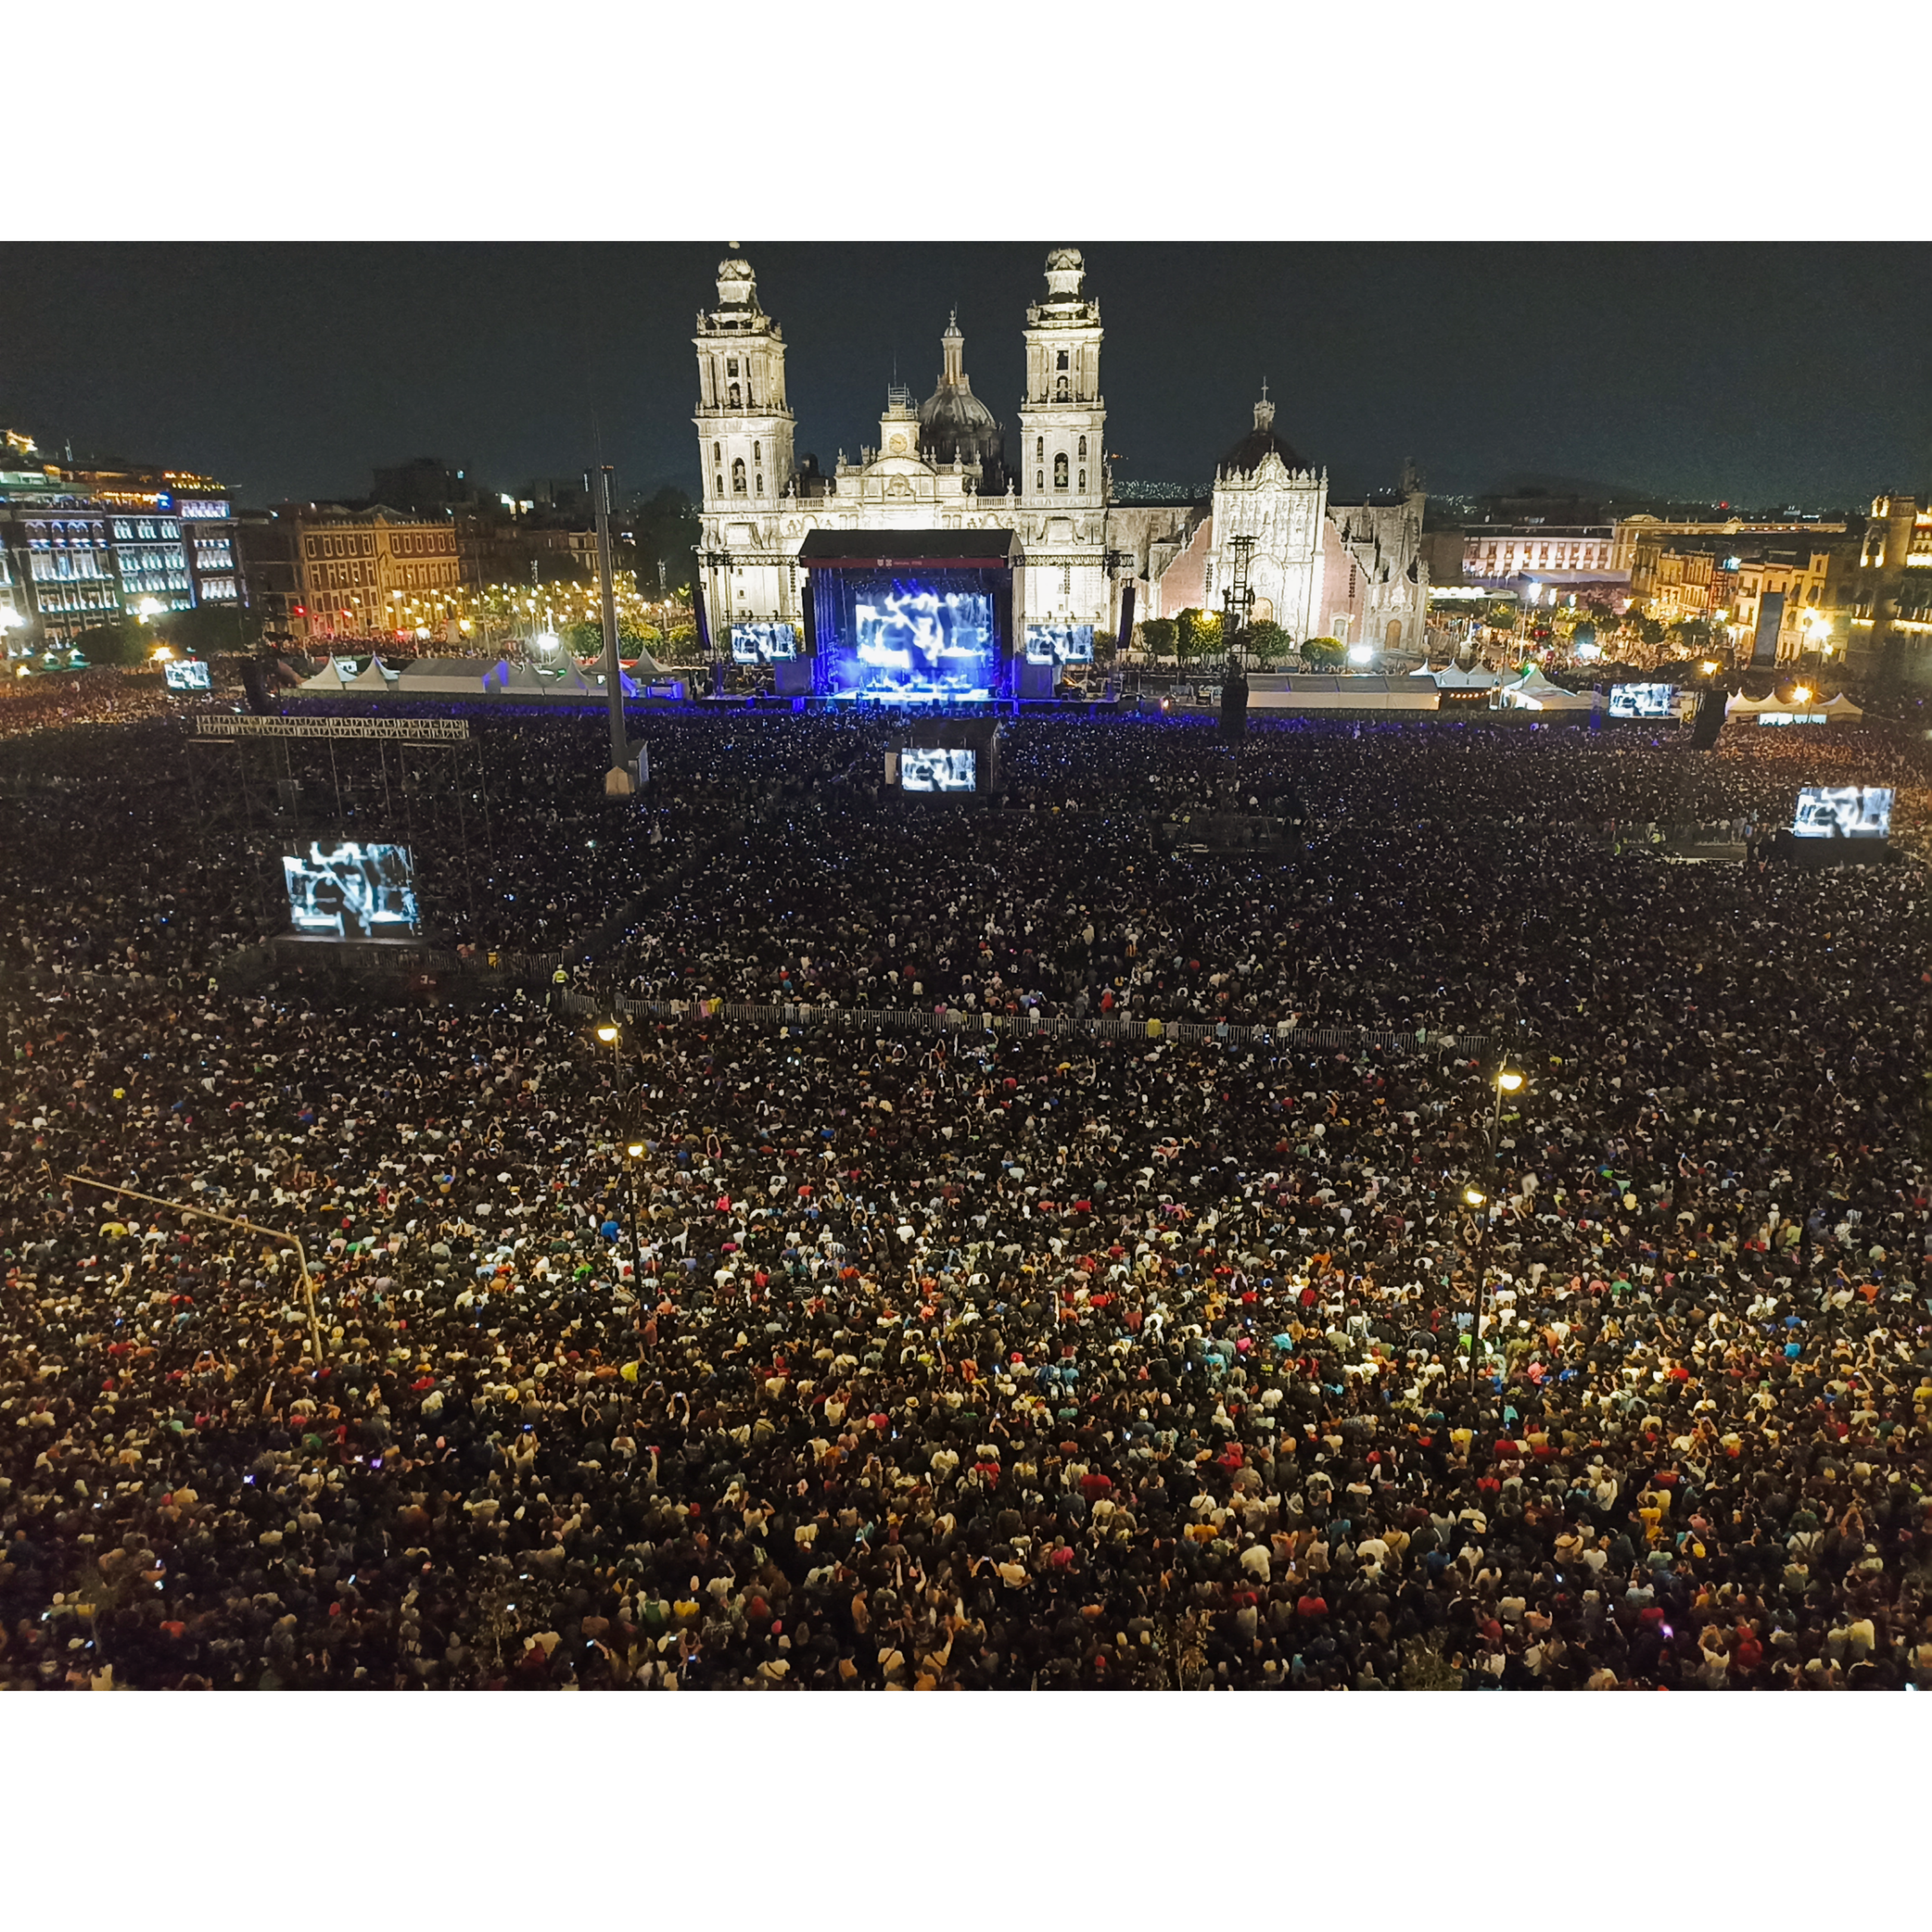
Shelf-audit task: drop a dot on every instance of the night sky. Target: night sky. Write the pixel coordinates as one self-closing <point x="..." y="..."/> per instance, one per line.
<point x="1761" y="374"/>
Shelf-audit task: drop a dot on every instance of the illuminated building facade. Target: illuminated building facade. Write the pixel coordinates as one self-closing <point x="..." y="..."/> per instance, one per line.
<point x="760" y="501"/>
<point x="1884" y="600"/>
<point x="373" y="573"/>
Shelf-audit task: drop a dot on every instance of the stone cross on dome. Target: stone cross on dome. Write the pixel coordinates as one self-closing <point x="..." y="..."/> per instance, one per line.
<point x="1264" y="409"/>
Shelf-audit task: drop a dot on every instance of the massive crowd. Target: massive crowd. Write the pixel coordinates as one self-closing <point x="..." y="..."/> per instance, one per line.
<point x="926" y="1360"/>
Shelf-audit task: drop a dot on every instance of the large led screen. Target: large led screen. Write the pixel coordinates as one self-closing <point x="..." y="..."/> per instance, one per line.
<point x="914" y="642"/>
<point x="930" y="768"/>
<point x="1643" y="700"/>
<point x="755" y="644"/>
<point x="185" y="674"/>
<point x="1842" y="812"/>
<point x="351" y="891"/>
<point x="1060" y="643"/>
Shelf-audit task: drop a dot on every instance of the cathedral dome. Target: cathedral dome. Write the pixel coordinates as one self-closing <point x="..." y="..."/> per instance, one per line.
<point x="954" y="425"/>
<point x="1248" y="455"/>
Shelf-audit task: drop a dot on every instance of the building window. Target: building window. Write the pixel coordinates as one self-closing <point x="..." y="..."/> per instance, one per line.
<point x="757" y="454"/>
<point x="717" y="452"/>
<point x="761" y="486"/>
<point x="737" y="475"/>
<point x="1039" y="449"/>
<point x="1083" y="449"/>
<point x="1060" y="363"/>
<point x="1060" y="390"/>
<point x="720" y="482"/>
<point x="734" y="395"/>
<point x="1060" y="470"/>
<point x="1083" y="479"/>
<point x="731" y="367"/>
<point x="1039" y="479"/>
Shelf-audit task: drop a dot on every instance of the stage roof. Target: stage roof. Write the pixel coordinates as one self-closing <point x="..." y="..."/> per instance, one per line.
<point x="887" y="550"/>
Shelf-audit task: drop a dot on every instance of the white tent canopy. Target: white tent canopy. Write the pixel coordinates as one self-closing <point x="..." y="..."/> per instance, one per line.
<point x="1535" y="692"/>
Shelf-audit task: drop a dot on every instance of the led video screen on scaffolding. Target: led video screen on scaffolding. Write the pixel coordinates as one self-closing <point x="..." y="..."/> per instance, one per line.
<point x="760" y="643"/>
<point x="1059" y="643"/>
<point x="347" y="890"/>
<point x="1842" y="812"/>
<point x="913" y="640"/>
<point x="1643" y="700"/>
<point x="185" y="674"/>
<point x="938" y="768"/>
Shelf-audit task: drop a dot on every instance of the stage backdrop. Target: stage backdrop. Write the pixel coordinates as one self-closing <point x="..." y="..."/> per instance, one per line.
<point x="909" y="616"/>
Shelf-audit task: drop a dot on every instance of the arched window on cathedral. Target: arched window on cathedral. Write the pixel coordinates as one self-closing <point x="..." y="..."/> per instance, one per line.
<point x="1039" y="479"/>
<point x="734" y="395"/>
<point x="761" y="486"/>
<point x="1060" y="470"/>
<point x="758" y="455"/>
<point x="1061" y="364"/>
<point x="1060" y="390"/>
<point x="1039" y="449"/>
<point x="737" y="475"/>
<point x="720" y="482"/>
<point x="1083" y="481"/>
<point x="1083" y="449"/>
<point x="717" y="452"/>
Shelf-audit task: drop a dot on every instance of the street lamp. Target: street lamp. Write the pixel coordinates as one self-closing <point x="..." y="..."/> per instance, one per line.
<point x="1507" y="1082"/>
<point x="1478" y="1200"/>
<point x="635" y="1151"/>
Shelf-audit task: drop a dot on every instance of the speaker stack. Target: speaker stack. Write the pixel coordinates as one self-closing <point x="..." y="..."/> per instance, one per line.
<point x="1234" y="706"/>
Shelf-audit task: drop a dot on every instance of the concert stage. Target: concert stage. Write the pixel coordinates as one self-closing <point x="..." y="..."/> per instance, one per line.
<point x="899" y="617"/>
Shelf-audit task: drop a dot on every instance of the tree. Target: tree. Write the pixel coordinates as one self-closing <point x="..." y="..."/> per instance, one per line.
<point x="1104" y="648"/>
<point x="212" y="629"/>
<point x="1266" y="642"/>
<point x="1158" y="636"/>
<point x="585" y="639"/>
<point x="123" y="643"/>
<point x="1198" y="633"/>
<point x="1324" y="653"/>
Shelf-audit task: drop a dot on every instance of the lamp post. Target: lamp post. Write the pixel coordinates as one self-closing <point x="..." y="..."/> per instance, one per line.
<point x="1479" y="1201"/>
<point x="1506" y="1081"/>
<point x="612" y="1035"/>
<point x="227" y="1221"/>
<point x="633" y="1151"/>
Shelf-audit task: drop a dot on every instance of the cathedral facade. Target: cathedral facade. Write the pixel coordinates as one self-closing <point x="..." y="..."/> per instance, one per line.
<point x="946" y="464"/>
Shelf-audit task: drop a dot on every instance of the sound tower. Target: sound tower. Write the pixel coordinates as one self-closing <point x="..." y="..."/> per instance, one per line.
<point x="256" y="680"/>
<point x="1710" y="720"/>
<point x="1234" y="706"/>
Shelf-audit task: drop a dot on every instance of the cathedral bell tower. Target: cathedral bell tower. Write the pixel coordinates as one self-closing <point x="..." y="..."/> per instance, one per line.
<point x="744" y="433"/>
<point x="1061" y="460"/>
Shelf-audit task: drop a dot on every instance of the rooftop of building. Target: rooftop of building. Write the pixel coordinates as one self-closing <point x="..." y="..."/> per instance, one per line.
<point x="1259" y="444"/>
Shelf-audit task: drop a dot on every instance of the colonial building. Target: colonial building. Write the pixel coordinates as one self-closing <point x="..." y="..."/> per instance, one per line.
<point x="1883" y="595"/>
<point x="1316" y="567"/>
<point x="1375" y="578"/>
<point x="948" y="464"/>
<point x="1062" y="457"/>
<point x="760" y="503"/>
<point x="366" y="573"/>
<point x="1271" y="503"/>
